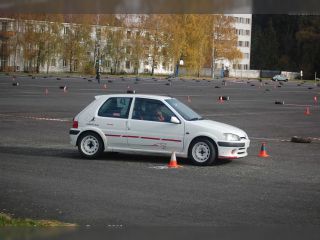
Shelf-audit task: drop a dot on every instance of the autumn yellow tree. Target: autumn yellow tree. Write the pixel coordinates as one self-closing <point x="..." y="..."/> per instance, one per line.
<point x="201" y="38"/>
<point x="197" y="28"/>
<point x="175" y="37"/>
<point x="155" y="37"/>
<point x="77" y="40"/>
<point x="135" y="44"/>
<point x="225" y="39"/>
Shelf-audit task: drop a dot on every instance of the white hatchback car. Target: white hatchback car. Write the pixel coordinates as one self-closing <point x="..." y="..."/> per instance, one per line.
<point x="153" y="124"/>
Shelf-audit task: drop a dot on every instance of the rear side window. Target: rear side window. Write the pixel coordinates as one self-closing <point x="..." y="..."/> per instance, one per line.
<point x="116" y="107"/>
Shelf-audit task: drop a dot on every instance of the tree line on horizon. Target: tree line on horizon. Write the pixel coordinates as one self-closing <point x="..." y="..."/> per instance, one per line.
<point x="198" y="39"/>
<point x="287" y="43"/>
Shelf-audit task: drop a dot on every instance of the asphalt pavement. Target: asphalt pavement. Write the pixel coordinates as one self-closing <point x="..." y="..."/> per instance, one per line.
<point x="42" y="176"/>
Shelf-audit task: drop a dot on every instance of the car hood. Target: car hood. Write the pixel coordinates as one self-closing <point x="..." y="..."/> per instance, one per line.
<point x="218" y="127"/>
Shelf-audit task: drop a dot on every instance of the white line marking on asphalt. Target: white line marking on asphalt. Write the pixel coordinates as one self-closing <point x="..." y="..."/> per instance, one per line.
<point x="159" y="167"/>
<point x="297" y="105"/>
<point x="38" y="118"/>
<point x="270" y="139"/>
<point x="246" y="113"/>
<point x="280" y="140"/>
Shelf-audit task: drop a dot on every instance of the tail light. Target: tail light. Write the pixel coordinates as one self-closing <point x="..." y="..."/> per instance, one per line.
<point x="75" y="124"/>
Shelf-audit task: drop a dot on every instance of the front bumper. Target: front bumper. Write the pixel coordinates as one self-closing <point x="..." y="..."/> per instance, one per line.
<point x="233" y="150"/>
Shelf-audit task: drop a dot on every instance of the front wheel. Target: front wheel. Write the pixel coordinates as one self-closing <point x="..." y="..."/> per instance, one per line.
<point x="202" y="152"/>
<point x="90" y="145"/>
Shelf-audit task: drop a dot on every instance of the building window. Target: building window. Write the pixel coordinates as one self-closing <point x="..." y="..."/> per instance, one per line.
<point x="128" y="50"/>
<point x="243" y="32"/>
<point x="245" y="66"/>
<point x="108" y="49"/>
<point x="128" y="64"/>
<point x="64" y="63"/>
<point x="4" y="26"/>
<point x="128" y="34"/>
<point x="98" y="34"/>
<point x="66" y="30"/>
<point x="75" y="65"/>
<point x="53" y="62"/>
<point x="147" y="35"/>
<point x="155" y="65"/>
<point x="243" y="44"/>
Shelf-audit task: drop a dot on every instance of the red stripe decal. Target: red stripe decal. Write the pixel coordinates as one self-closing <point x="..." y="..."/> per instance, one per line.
<point x="150" y="138"/>
<point x="127" y="136"/>
<point x="112" y="135"/>
<point x="170" y="140"/>
<point x="147" y="138"/>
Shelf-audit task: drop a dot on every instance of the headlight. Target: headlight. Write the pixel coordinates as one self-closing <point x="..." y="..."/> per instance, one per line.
<point x="231" y="137"/>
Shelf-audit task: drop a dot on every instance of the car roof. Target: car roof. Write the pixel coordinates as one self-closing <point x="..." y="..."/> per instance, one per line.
<point x="157" y="97"/>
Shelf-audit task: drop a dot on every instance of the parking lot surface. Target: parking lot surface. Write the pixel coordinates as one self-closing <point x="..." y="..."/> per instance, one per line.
<point x="42" y="176"/>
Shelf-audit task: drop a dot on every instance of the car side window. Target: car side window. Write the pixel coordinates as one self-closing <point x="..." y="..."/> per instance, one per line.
<point x="151" y="110"/>
<point x="115" y="107"/>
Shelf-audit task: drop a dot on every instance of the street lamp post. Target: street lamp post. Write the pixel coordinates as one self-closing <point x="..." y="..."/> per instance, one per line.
<point x="98" y="60"/>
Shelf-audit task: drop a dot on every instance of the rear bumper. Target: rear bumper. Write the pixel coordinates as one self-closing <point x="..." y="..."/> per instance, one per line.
<point x="74" y="133"/>
<point x="233" y="150"/>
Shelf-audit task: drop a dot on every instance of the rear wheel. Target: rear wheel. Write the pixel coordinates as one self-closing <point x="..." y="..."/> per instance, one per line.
<point x="202" y="152"/>
<point x="90" y="145"/>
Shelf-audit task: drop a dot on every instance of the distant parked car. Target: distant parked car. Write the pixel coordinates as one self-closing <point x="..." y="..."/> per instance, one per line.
<point x="278" y="78"/>
<point x="154" y="124"/>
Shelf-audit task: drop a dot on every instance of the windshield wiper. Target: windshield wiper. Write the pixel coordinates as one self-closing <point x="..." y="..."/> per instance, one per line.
<point x="196" y="118"/>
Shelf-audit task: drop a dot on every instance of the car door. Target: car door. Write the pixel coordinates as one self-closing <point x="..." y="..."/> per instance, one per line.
<point x="112" y="118"/>
<point x="149" y="131"/>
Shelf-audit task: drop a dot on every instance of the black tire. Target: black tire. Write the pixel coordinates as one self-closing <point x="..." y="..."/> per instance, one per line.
<point x="90" y="145"/>
<point x="202" y="152"/>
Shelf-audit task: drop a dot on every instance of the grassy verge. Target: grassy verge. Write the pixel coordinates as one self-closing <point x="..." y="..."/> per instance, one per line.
<point x="8" y="221"/>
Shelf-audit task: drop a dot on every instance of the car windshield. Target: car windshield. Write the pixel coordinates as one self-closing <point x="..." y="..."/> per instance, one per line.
<point x="186" y="112"/>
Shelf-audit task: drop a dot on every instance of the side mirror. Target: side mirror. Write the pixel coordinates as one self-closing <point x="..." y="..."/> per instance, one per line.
<point x="174" y="120"/>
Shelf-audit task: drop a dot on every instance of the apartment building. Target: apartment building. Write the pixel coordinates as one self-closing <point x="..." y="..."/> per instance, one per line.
<point x="243" y="27"/>
<point x="9" y="58"/>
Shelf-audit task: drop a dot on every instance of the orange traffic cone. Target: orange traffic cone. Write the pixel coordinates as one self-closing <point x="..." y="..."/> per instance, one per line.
<point x="46" y="91"/>
<point x="307" y="111"/>
<point x="220" y="99"/>
<point x="189" y="99"/>
<point x="315" y="100"/>
<point x="173" y="161"/>
<point x="263" y="152"/>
